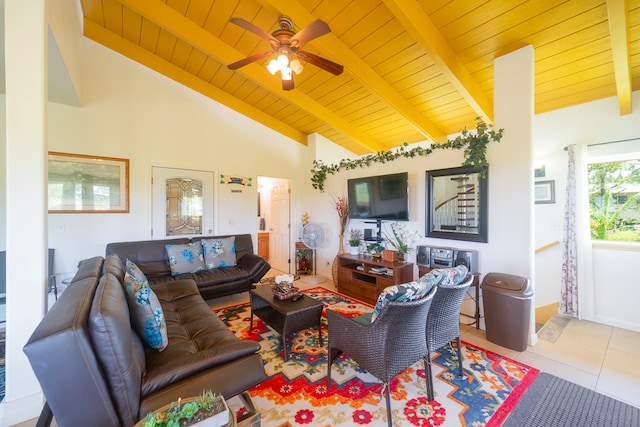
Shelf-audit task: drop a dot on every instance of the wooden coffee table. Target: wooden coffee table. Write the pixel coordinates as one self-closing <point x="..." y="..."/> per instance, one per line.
<point x="286" y="316"/>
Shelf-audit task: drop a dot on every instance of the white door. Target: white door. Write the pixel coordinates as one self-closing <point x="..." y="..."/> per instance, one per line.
<point x="182" y="203"/>
<point x="280" y="233"/>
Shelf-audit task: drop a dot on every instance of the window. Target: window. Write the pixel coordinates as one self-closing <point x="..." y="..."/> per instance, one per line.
<point x="614" y="200"/>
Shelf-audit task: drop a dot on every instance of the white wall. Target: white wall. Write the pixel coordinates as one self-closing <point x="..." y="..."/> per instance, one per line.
<point x="613" y="266"/>
<point x="132" y="112"/>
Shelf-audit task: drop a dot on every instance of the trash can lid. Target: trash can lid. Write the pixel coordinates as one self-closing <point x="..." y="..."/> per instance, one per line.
<point x="504" y="281"/>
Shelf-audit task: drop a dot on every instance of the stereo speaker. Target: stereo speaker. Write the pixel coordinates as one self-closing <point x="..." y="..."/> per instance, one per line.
<point x="423" y="256"/>
<point x="467" y="258"/>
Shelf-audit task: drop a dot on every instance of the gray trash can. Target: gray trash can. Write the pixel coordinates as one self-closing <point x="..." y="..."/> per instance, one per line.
<point x="507" y="309"/>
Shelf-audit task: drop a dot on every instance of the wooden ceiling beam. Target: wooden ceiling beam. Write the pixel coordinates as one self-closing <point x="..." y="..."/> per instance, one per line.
<point x="183" y="28"/>
<point x="417" y="23"/>
<point x="359" y="69"/>
<point x="619" y="30"/>
<point x="105" y="37"/>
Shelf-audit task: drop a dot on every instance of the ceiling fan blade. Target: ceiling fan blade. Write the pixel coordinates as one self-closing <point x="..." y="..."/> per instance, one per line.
<point x="249" y="60"/>
<point x="288" y="84"/>
<point x="255" y="30"/>
<point x="316" y="29"/>
<point x="325" y="64"/>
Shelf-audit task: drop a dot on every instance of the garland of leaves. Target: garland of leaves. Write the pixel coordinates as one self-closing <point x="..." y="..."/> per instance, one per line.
<point x="473" y="143"/>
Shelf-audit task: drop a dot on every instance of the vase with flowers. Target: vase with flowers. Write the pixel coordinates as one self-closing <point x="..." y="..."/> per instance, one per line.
<point x="342" y="209"/>
<point x="401" y="239"/>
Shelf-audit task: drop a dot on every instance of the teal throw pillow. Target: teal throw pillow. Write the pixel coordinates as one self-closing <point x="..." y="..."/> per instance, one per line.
<point x="146" y="311"/>
<point x="185" y="258"/>
<point x="219" y="252"/>
<point x="400" y="293"/>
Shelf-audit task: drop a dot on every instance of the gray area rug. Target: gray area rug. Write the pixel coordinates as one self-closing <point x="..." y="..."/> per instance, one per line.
<point x="552" y="330"/>
<point x="551" y="401"/>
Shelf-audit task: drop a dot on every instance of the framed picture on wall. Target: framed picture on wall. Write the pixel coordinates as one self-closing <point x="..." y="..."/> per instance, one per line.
<point x="78" y="183"/>
<point x="544" y="192"/>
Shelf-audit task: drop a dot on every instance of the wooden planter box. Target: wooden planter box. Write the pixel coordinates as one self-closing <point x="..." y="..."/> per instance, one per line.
<point x="389" y="255"/>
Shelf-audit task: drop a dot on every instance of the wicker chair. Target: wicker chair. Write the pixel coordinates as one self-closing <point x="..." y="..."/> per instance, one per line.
<point x="443" y="323"/>
<point x="385" y="347"/>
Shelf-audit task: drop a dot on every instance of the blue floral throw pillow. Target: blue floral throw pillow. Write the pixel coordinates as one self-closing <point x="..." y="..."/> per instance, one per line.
<point x="219" y="252"/>
<point x="400" y="293"/>
<point x="185" y="258"/>
<point x="146" y="311"/>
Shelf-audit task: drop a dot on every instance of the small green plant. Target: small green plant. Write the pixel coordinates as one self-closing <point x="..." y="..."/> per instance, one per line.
<point x="375" y="248"/>
<point x="355" y="237"/>
<point x="179" y="414"/>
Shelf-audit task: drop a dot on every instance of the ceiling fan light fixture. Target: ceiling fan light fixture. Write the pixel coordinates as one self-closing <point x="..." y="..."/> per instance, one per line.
<point x="273" y="67"/>
<point x="286" y="73"/>
<point x="296" y="66"/>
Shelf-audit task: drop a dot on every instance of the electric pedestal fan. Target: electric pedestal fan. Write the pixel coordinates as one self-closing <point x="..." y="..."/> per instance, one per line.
<point x="313" y="236"/>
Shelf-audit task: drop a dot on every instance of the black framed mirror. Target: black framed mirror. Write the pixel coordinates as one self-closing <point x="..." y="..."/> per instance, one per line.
<point x="457" y="204"/>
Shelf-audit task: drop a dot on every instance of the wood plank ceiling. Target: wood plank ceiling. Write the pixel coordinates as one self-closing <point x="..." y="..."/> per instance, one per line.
<point x="414" y="69"/>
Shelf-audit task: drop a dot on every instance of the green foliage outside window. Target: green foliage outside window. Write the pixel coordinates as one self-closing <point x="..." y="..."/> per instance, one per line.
<point x="614" y="199"/>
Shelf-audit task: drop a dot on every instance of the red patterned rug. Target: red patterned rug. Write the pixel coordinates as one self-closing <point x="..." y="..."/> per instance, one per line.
<point x="296" y="393"/>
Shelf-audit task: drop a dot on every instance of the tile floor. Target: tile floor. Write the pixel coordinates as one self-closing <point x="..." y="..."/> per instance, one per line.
<point x="599" y="357"/>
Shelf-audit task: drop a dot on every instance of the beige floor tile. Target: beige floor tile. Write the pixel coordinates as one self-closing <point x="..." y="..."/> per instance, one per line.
<point x="625" y="340"/>
<point x="620" y="376"/>
<point x="581" y="357"/>
<point x="566" y="372"/>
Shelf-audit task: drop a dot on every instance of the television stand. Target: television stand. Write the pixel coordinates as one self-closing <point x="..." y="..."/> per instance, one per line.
<point x="357" y="276"/>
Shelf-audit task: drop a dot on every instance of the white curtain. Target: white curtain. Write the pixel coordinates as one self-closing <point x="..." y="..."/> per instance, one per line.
<point x="576" y="253"/>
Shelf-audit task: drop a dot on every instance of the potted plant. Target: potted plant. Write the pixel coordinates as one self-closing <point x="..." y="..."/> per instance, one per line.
<point x="206" y="410"/>
<point x="375" y="249"/>
<point x="401" y="239"/>
<point x="355" y="239"/>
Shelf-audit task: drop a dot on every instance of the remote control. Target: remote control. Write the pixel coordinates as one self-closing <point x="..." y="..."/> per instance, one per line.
<point x="296" y="298"/>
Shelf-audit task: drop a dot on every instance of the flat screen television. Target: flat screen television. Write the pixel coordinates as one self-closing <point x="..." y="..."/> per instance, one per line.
<point x="380" y="197"/>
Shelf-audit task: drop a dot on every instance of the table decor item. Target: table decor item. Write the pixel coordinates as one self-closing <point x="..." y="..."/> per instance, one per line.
<point x="355" y="239"/>
<point x="401" y="239"/>
<point x="207" y="410"/>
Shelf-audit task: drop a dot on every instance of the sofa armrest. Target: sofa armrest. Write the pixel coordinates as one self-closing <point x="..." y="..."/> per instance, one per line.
<point x="255" y="265"/>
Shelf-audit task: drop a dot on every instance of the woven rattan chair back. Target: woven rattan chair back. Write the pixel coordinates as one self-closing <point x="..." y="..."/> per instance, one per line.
<point x="443" y="323"/>
<point x="387" y="346"/>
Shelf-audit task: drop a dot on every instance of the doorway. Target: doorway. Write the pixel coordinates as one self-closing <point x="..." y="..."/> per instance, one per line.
<point x="182" y="203"/>
<point x="274" y="216"/>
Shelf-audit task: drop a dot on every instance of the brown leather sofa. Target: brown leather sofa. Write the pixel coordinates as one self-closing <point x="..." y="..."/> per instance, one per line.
<point x="94" y="369"/>
<point x="151" y="257"/>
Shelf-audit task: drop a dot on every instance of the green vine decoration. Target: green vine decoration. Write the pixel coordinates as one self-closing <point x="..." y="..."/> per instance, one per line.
<point x="474" y="145"/>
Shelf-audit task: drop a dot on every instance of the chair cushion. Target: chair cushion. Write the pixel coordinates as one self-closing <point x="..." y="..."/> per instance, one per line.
<point x="146" y="312"/>
<point x="405" y="292"/>
<point x="450" y="276"/>
<point x="219" y="252"/>
<point x="185" y="258"/>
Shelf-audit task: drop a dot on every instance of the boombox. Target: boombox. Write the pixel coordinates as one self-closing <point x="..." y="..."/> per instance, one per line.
<point x="434" y="257"/>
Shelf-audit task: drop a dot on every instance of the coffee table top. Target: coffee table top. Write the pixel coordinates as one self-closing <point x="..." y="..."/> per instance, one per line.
<point x="284" y="306"/>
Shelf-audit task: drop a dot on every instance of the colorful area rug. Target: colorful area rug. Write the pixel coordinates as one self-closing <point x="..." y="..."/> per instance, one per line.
<point x="296" y="392"/>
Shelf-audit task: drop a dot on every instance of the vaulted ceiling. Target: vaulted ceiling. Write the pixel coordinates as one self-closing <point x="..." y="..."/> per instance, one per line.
<point x="413" y="69"/>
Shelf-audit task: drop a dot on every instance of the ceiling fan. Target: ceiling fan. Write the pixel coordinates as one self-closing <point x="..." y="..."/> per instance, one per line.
<point x="286" y="44"/>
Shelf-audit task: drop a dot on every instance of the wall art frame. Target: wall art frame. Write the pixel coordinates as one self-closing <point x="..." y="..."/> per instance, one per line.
<point x="544" y="191"/>
<point x="79" y="183"/>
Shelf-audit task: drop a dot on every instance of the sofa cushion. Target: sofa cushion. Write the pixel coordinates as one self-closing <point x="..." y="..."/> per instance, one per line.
<point x="117" y="346"/>
<point x="401" y="293"/>
<point x="198" y="339"/>
<point x="185" y="258"/>
<point x="146" y="312"/>
<point x="219" y="252"/>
